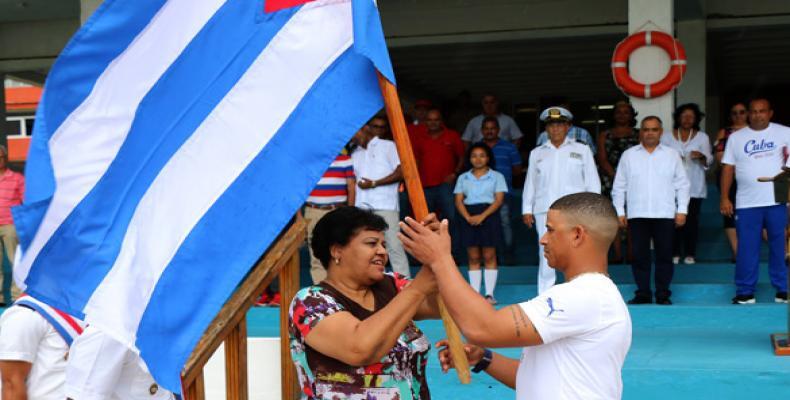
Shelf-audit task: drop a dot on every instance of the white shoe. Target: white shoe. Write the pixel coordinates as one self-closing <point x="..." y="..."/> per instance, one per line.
<point x="675" y="260"/>
<point x="689" y="260"/>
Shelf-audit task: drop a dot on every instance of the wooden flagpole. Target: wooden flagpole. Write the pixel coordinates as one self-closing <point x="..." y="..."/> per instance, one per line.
<point x="420" y="208"/>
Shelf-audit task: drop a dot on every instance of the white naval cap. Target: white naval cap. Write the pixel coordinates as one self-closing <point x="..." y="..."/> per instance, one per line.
<point x="556" y="114"/>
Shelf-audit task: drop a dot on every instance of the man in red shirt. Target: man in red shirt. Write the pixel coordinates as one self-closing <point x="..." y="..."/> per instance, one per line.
<point x="440" y="158"/>
<point x="417" y="125"/>
<point x="12" y="188"/>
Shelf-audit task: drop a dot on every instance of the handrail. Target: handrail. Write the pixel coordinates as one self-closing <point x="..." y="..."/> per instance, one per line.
<point x="229" y="325"/>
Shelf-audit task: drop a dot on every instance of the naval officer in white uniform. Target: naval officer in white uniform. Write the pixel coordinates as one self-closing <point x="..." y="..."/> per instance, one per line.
<point x="559" y="167"/>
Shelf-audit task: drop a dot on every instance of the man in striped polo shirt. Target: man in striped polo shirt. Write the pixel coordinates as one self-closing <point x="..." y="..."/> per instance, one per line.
<point x="12" y="189"/>
<point x="334" y="189"/>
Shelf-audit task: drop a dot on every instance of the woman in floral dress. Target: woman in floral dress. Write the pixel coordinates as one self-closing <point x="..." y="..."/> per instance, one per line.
<point x="353" y="335"/>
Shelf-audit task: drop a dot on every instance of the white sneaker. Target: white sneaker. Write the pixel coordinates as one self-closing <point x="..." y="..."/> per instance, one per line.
<point x="689" y="260"/>
<point x="675" y="260"/>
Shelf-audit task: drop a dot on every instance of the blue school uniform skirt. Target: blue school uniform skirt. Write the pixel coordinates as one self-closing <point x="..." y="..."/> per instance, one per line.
<point x="487" y="234"/>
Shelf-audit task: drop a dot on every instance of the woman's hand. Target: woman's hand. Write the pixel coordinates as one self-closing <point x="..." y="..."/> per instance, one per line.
<point x="425" y="282"/>
<point x="726" y="207"/>
<point x="473" y="353"/>
<point x="426" y="246"/>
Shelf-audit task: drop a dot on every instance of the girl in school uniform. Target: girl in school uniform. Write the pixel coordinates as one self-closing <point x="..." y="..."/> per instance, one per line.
<point x="479" y="193"/>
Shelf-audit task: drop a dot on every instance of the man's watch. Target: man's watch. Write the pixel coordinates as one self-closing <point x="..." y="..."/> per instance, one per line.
<point x="484" y="362"/>
<point x="372" y="183"/>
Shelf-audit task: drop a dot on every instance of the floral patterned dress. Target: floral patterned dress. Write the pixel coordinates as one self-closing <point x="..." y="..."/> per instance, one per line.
<point x="400" y="374"/>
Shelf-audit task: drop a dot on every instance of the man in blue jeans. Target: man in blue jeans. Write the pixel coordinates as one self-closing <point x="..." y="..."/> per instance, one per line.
<point x="753" y="152"/>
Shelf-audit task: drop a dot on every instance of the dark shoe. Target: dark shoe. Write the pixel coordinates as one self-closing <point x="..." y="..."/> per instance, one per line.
<point x="744" y="299"/>
<point x="640" y="300"/>
<point x="781" y="297"/>
<point x="664" y="302"/>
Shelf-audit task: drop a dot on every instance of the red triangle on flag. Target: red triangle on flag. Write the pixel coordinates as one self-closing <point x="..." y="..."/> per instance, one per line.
<point x="277" y="5"/>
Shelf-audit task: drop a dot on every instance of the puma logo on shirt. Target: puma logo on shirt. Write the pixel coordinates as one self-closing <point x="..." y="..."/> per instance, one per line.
<point x="551" y="307"/>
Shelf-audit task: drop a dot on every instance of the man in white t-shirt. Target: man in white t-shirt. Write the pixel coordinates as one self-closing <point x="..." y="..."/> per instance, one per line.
<point x="508" y="129"/>
<point x="759" y="150"/>
<point x="378" y="172"/>
<point x="34" y="345"/>
<point x="575" y="335"/>
<point x="101" y="368"/>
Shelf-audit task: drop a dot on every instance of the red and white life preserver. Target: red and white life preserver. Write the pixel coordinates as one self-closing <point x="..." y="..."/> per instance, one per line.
<point x="677" y="55"/>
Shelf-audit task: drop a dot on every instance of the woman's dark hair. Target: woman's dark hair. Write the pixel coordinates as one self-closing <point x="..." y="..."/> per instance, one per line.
<point x="338" y="227"/>
<point x="632" y="123"/>
<point x="698" y="114"/>
<point x="732" y="105"/>
<point x="484" y="147"/>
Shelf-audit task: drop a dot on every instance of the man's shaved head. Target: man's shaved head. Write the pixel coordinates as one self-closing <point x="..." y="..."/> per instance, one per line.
<point x="592" y="211"/>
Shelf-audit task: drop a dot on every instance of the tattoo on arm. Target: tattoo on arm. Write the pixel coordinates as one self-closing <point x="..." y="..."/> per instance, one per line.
<point x="515" y="320"/>
<point x="525" y="322"/>
<point x="520" y="319"/>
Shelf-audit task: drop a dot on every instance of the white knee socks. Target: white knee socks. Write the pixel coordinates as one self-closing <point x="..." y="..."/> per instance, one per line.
<point x="475" y="277"/>
<point x="490" y="279"/>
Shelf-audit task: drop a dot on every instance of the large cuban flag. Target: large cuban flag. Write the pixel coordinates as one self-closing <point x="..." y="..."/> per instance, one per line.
<point x="174" y="140"/>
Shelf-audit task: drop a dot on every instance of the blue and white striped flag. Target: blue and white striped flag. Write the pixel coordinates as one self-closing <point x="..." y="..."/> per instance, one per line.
<point x="173" y="142"/>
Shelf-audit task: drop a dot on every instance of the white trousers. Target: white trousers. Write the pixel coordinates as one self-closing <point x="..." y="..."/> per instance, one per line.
<point x="397" y="256"/>
<point x="100" y="367"/>
<point x="546" y="275"/>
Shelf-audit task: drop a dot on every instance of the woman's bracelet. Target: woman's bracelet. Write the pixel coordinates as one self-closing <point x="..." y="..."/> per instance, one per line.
<point x="484" y="362"/>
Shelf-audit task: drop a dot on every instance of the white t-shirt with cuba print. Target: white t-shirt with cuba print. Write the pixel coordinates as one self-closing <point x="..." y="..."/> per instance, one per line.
<point x="756" y="154"/>
<point x="586" y="332"/>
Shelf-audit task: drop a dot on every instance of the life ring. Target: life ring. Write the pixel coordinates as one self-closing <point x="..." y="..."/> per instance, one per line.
<point x="677" y="55"/>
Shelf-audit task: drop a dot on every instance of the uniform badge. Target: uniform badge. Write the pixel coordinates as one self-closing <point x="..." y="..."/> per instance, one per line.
<point x="576" y="156"/>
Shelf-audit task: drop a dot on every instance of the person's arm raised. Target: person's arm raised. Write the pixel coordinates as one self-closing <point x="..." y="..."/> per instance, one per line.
<point x="479" y="321"/>
<point x="344" y="337"/>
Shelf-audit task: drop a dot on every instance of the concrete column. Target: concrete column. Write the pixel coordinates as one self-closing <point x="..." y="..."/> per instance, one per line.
<point x="693" y="89"/>
<point x="650" y="63"/>
<point x="87" y="7"/>
<point x="3" y="128"/>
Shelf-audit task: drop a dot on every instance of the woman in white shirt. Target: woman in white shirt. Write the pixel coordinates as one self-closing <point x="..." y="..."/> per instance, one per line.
<point x="695" y="151"/>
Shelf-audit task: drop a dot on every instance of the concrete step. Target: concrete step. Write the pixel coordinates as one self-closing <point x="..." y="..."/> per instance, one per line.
<point x="688" y="352"/>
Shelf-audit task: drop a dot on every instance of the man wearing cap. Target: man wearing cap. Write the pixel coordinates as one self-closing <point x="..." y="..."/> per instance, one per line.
<point x="508" y="130"/>
<point x="576" y="133"/>
<point x="559" y="167"/>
